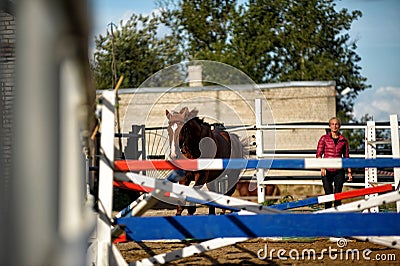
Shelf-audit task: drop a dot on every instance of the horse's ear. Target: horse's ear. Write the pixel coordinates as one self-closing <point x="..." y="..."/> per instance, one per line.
<point x="184" y="110"/>
<point x="167" y="114"/>
<point x="192" y="114"/>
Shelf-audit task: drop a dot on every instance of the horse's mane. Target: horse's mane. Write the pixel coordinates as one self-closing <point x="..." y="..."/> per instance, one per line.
<point x="187" y="130"/>
<point x="243" y="142"/>
<point x="200" y="121"/>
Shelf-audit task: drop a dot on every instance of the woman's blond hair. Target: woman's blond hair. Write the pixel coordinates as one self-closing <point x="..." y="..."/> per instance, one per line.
<point x="337" y="119"/>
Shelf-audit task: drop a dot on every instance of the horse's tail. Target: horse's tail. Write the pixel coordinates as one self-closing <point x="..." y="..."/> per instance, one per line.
<point x="240" y="146"/>
<point x="239" y="149"/>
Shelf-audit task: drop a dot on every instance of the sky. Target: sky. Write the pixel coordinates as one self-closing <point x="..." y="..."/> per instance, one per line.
<point x="377" y="34"/>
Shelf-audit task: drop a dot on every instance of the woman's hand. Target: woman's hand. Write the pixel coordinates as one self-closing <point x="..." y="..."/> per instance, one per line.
<point x="323" y="172"/>
<point x="349" y="176"/>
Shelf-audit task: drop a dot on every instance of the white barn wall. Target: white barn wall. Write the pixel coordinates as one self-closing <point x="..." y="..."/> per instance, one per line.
<point x="289" y="102"/>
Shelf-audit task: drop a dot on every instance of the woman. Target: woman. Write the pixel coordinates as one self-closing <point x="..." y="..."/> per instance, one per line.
<point x="333" y="145"/>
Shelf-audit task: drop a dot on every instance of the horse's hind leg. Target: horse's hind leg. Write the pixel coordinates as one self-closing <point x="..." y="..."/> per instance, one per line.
<point x="201" y="180"/>
<point x="211" y="210"/>
<point x="191" y="209"/>
<point x="179" y="210"/>
<point x="233" y="179"/>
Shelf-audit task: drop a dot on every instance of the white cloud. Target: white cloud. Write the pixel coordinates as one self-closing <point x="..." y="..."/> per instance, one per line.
<point x="379" y="103"/>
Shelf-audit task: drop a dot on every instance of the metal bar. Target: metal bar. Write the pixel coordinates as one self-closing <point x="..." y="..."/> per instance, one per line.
<point x="305" y="125"/>
<point x="259" y="151"/>
<point x="294" y="126"/>
<point x="394" y="135"/>
<point x="371" y="176"/>
<point x="306" y="182"/>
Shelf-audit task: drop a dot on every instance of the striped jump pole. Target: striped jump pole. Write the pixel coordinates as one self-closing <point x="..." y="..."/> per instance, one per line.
<point x="282" y="206"/>
<point x="220" y="164"/>
<point x="185" y="193"/>
<point x="385" y="224"/>
<point x="219" y="242"/>
<point x="357" y="206"/>
<point x="262" y="225"/>
<point x="167" y="197"/>
<point x="332" y="197"/>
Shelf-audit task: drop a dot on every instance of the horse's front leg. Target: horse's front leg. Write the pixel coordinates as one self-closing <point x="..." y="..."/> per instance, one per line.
<point x="230" y="193"/>
<point x="198" y="184"/>
<point x="184" y="181"/>
<point x="202" y="179"/>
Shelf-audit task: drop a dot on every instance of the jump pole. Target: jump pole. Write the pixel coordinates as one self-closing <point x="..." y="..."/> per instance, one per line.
<point x="245" y="205"/>
<point x="251" y="206"/>
<point x="234" y="163"/>
<point x="190" y="250"/>
<point x="332" y="197"/>
<point x="189" y="193"/>
<point x="394" y="196"/>
<point x="168" y="197"/>
<point x="282" y="206"/>
<point x="222" y="242"/>
<point x="262" y="225"/>
<point x="193" y="249"/>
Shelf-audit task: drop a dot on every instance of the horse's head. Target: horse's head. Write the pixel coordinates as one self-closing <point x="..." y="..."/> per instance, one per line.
<point x="189" y="138"/>
<point x="176" y="120"/>
<point x="196" y="139"/>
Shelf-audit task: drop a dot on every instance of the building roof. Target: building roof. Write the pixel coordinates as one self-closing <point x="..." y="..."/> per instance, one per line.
<point x="240" y="87"/>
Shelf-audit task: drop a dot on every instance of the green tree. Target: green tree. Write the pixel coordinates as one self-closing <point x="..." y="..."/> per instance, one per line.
<point x="316" y="46"/>
<point x="255" y="41"/>
<point x="273" y="40"/>
<point x="203" y="28"/>
<point x="137" y="50"/>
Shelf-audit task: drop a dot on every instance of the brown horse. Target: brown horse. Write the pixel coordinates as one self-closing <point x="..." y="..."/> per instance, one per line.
<point x="192" y="138"/>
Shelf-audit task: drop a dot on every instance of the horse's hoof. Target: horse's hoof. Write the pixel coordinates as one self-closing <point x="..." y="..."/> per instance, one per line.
<point x="178" y="214"/>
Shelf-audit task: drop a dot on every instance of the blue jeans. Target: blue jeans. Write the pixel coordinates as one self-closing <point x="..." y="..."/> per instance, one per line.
<point x="333" y="183"/>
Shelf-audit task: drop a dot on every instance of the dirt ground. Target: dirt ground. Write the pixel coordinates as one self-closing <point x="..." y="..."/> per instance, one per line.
<point x="268" y="251"/>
